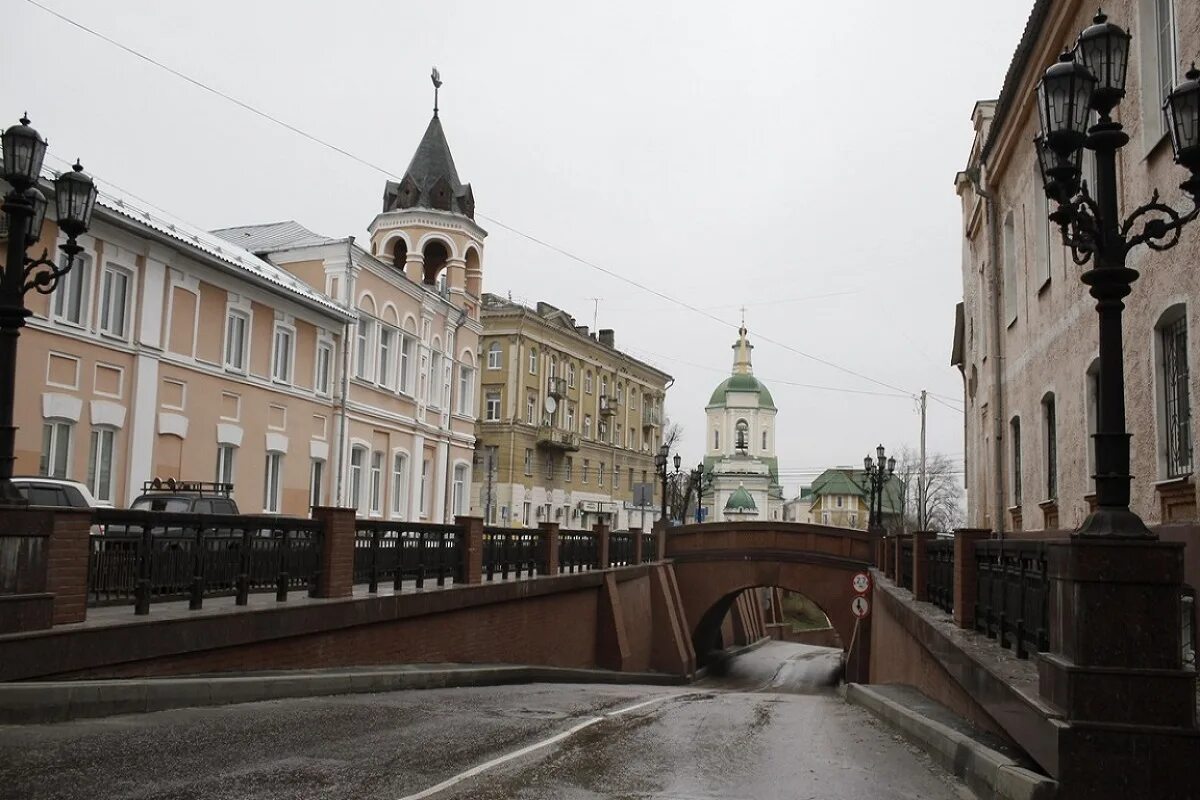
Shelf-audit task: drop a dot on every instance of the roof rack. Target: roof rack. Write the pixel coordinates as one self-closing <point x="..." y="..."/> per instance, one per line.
<point x="200" y="487"/>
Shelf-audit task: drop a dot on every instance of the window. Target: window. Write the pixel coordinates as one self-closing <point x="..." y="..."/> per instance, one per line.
<point x="570" y="412"/>
<point x="525" y="509"/>
<point x="1015" y="433"/>
<point x="587" y="381"/>
<point x="548" y="463"/>
<point x="458" y="496"/>
<point x="281" y="361"/>
<point x="617" y="437"/>
<point x="271" y="482"/>
<point x="422" y="501"/>
<point x="1050" y="426"/>
<point x="225" y="463"/>
<point x="616" y="477"/>
<point x="764" y="439"/>
<point x="1164" y="26"/>
<point x="853" y="520"/>
<point x="530" y="408"/>
<point x="236" y="324"/>
<point x="533" y="361"/>
<point x="1042" y="229"/>
<point x="824" y="517"/>
<point x="1175" y="406"/>
<point x="1009" y="243"/>
<point x="399" y="485"/>
<point x="435" y="381"/>
<point x="114" y="301"/>
<point x="358" y="458"/>
<point x="604" y="387"/>
<point x="56" y="448"/>
<point x="631" y="477"/>
<point x="466" y="390"/>
<point x="600" y="475"/>
<point x="316" y="482"/>
<point x="495" y="358"/>
<point x="406" y="348"/>
<point x="100" y="458"/>
<point x="716" y="440"/>
<point x="70" y="297"/>
<point x="528" y="461"/>
<point x="570" y="469"/>
<point x="376" y="482"/>
<point x="362" y="351"/>
<point x="571" y="375"/>
<point x="587" y="426"/>
<point x="322" y="381"/>
<point x="837" y="501"/>
<point x="386" y="337"/>
<point x="553" y="366"/>
<point x="587" y="465"/>
<point x="492" y="409"/>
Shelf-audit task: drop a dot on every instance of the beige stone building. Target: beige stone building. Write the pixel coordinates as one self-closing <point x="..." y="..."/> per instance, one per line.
<point x="300" y="368"/>
<point x="1026" y="336"/>
<point x="568" y="424"/>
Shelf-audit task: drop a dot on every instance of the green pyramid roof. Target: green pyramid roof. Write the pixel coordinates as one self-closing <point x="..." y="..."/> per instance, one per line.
<point x="740" y="500"/>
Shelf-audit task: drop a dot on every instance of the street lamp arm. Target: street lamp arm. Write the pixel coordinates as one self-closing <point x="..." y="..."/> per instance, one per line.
<point x="43" y="274"/>
<point x="1160" y="232"/>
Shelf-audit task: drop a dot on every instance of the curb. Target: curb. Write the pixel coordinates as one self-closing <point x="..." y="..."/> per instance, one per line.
<point x="28" y="703"/>
<point x="986" y="772"/>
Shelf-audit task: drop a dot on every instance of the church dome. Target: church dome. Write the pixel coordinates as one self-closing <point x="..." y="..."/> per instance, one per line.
<point x="740" y="501"/>
<point x="742" y="383"/>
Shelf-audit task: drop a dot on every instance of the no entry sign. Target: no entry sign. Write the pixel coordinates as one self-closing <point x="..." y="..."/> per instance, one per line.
<point x="860" y="607"/>
<point x="861" y="582"/>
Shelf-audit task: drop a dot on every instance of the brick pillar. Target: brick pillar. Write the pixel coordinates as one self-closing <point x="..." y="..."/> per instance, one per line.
<point x="636" y="533"/>
<point x="548" y="548"/>
<point x="337" y="551"/>
<point x="889" y="556"/>
<point x="660" y="540"/>
<point x="472" y="548"/>
<point x="920" y="565"/>
<point x="897" y="554"/>
<point x="67" y="565"/>
<point x="601" y="531"/>
<point x="965" y="585"/>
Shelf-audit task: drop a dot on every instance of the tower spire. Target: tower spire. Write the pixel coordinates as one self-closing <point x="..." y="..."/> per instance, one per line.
<point x="741" y="352"/>
<point x="436" y="77"/>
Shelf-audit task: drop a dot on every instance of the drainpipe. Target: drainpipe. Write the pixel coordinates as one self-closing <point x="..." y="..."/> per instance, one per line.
<point x="993" y="214"/>
<point x="345" y="382"/>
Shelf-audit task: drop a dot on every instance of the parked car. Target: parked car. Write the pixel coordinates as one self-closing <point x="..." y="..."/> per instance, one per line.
<point x="56" y="493"/>
<point x="180" y="497"/>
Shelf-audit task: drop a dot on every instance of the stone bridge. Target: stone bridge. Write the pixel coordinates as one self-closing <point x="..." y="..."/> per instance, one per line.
<point x="715" y="564"/>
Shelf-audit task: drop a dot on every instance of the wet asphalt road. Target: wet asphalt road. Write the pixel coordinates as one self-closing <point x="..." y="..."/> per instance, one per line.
<point x="771" y="727"/>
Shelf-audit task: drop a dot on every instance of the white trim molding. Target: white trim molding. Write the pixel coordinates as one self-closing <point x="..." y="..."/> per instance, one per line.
<point x="277" y="443"/>
<point x="106" y="413"/>
<point x="61" y="406"/>
<point x="229" y="434"/>
<point x="173" y="424"/>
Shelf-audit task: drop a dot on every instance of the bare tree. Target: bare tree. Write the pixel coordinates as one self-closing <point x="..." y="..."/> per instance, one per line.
<point x="943" y="491"/>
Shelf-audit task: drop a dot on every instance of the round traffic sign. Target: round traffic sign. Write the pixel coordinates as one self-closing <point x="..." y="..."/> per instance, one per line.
<point x="860" y="607"/>
<point x="861" y="582"/>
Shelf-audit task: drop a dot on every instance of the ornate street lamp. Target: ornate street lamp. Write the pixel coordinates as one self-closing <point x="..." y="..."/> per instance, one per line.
<point x="877" y="472"/>
<point x="25" y="207"/>
<point x="660" y="464"/>
<point x="1092" y="78"/>
<point x="698" y="475"/>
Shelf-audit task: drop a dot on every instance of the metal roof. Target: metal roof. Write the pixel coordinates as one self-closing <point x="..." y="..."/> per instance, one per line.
<point x="1020" y="59"/>
<point x="273" y="236"/>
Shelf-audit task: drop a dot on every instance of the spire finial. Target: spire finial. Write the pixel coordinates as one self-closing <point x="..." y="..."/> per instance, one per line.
<point x="436" y="77"/>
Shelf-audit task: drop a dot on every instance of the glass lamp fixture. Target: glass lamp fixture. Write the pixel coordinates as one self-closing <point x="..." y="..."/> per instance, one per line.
<point x="678" y="461"/>
<point x="1060" y="176"/>
<point x="39" y="202"/>
<point x="75" y="194"/>
<point x="1103" y="48"/>
<point x="1183" y="123"/>
<point x="24" y="151"/>
<point x="1063" y="102"/>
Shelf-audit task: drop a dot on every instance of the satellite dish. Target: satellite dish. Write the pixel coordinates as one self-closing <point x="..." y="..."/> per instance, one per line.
<point x="550" y="405"/>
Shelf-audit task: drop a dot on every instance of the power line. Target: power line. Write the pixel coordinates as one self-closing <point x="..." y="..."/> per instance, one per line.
<point x="383" y="170"/>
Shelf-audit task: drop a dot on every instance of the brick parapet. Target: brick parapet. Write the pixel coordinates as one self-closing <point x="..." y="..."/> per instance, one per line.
<point x="601" y="530"/>
<point x="338" y="531"/>
<point x="67" y="563"/>
<point x="548" y="548"/>
<point x="920" y="565"/>
<point x="965" y="585"/>
<point x="638" y="553"/>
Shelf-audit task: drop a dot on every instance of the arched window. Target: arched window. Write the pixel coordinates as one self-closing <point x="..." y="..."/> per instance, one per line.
<point x="435" y="256"/>
<point x="742" y="431"/>
<point x="533" y="361"/>
<point x="1050" y="445"/>
<point x="571" y="375"/>
<point x="399" y="253"/>
<point x="587" y="382"/>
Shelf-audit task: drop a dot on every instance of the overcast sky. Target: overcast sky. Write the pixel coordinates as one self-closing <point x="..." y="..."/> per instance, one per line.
<point x="796" y="158"/>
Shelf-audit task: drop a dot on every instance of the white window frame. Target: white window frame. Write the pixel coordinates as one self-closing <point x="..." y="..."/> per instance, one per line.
<point x="1009" y="267"/>
<point x="491" y="411"/>
<point x="78" y="278"/>
<point x="357" y="478"/>
<point x="54" y="430"/>
<point x="226" y="463"/>
<point x="495" y="356"/>
<point x="316" y="482"/>
<point x="404" y="384"/>
<point x="362" y="348"/>
<point x="423" y="500"/>
<point x="383" y="366"/>
<point x="241" y="363"/>
<point x="272" y="482"/>
<point x="458" y="492"/>
<point x="323" y="368"/>
<point x="111" y="273"/>
<point x="97" y="454"/>
<point x="399" y="484"/>
<point x="533" y="360"/>
<point x="287" y="334"/>
<point x="528" y="461"/>
<point x="466" y="389"/>
<point x="587" y="382"/>
<point x="376" y="485"/>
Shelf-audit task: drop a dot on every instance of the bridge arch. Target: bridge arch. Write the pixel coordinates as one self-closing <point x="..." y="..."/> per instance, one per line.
<point x="714" y="563"/>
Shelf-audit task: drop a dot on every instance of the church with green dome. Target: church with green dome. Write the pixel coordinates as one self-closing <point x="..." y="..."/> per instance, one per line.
<point x="739" y="453"/>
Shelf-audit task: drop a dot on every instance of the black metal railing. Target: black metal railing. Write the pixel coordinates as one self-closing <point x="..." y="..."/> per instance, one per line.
<point x="398" y="551"/>
<point x="906" y="563"/>
<point x="649" y="551"/>
<point x="1013" y="590"/>
<point x="939" y="573"/>
<point x="577" y="551"/>
<point x="511" y="552"/>
<point x="620" y="549"/>
<point x="147" y="556"/>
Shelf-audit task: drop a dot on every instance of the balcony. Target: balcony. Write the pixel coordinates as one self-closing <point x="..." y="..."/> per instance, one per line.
<point x="556" y="387"/>
<point x="651" y="418"/>
<point x="608" y="406"/>
<point x="554" y="438"/>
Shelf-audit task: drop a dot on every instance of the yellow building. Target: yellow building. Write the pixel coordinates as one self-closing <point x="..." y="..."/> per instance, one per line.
<point x="840" y="497"/>
<point x="568" y="424"/>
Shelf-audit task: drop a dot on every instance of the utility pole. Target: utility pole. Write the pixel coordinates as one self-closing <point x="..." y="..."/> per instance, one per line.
<point x="487" y="507"/>
<point x="921" y="479"/>
<point x="595" y="312"/>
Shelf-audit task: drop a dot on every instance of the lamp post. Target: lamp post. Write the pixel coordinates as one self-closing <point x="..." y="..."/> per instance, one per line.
<point x="877" y="472"/>
<point x="698" y="476"/>
<point x="25" y="211"/>
<point x="660" y="464"/>
<point x="1091" y="78"/>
